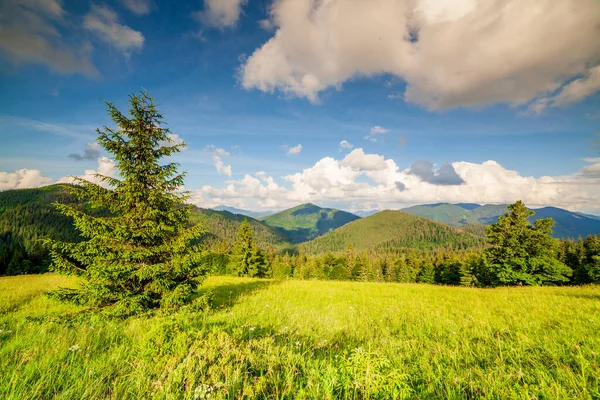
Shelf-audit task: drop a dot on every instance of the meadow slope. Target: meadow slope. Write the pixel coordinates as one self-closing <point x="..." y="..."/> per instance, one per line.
<point x="307" y="339"/>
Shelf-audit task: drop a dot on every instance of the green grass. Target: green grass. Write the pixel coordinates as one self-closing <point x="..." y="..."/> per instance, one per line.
<point x="307" y="339"/>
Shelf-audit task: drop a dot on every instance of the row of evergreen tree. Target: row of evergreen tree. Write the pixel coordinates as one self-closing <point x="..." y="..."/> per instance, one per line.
<point x="519" y="254"/>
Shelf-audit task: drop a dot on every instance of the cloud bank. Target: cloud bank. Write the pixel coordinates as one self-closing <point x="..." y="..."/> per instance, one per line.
<point x="363" y="181"/>
<point x="449" y="53"/>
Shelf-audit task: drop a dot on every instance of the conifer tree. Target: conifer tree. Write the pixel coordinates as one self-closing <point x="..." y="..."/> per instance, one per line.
<point x="136" y="255"/>
<point x="522" y="253"/>
<point x="246" y="259"/>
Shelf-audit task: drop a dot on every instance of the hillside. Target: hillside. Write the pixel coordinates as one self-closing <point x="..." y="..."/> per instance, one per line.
<point x="223" y="225"/>
<point x="308" y="221"/>
<point x="240" y="211"/>
<point x="568" y="224"/>
<point x="388" y="229"/>
<point x="27" y="215"/>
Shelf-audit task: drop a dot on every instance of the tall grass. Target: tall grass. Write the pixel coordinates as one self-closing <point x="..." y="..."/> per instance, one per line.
<point x="307" y="339"/>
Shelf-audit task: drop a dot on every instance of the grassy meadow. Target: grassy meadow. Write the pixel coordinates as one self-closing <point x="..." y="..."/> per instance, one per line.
<point x="306" y="339"/>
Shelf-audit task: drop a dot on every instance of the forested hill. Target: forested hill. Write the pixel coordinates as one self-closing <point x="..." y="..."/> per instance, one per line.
<point x="247" y="213"/>
<point x="393" y="229"/>
<point x="223" y="226"/>
<point x="308" y="221"/>
<point x="568" y="224"/>
<point x="26" y="216"/>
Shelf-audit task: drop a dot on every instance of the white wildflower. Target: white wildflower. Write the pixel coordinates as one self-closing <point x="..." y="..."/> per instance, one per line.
<point x="203" y="391"/>
<point x="74" y="348"/>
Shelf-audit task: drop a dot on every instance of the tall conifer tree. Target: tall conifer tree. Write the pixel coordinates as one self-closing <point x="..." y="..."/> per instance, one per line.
<point x="522" y="253"/>
<point x="137" y="254"/>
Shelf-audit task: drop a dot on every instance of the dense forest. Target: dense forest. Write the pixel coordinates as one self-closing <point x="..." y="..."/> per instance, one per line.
<point x="390" y="246"/>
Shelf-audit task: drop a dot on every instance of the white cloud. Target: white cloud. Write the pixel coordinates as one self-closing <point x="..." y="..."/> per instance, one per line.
<point x="139" y="7"/>
<point x="295" y="150"/>
<point x="345" y="145"/>
<point x="221" y="13"/>
<point x="376" y="130"/>
<point x="571" y="93"/>
<point x="362" y="181"/>
<point x="106" y="167"/>
<point x="217" y="155"/>
<point x="104" y="23"/>
<point x="449" y="53"/>
<point x="29" y="34"/>
<point x="23" y="179"/>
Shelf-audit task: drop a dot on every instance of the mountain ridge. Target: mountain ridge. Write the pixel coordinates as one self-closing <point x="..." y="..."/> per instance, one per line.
<point x="568" y="224"/>
<point x="308" y="221"/>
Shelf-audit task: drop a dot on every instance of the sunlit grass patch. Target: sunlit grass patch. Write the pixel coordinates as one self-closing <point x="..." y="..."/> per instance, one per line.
<point x="307" y="339"/>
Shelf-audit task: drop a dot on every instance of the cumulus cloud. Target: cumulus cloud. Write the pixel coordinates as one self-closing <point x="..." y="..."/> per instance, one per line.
<point x="29" y="34"/>
<point x="449" y="53"/>
<point x="217" y="155"/>
<point x="221" y="13"/>
<point x="376" y="130"/>
<point x="139" y="7"/>
<point x="445" y="175"/>
<point x="104" y="23"/>
<point x="106" y="167"/>
<point x="23" y="179"/>
<point x="345" y="145"/>
<point x="91" y="152"/>
<point x="362" y="181"/>
<point x="570" y="93"/>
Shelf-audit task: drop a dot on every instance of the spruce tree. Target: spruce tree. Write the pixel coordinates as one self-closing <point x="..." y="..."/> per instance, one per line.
<point x="136" y="253"/>
<point x="521" y="253"/>
<point x="246" y="259"/>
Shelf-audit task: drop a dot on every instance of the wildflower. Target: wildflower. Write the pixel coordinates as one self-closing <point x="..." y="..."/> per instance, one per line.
<point x="91" y="373"/>
<point x="298" y="343"/>
<point x="359" y="350"/>
<point x="203" y="391"/>
<point x="252" y="328"/>
<point x="74" y="348"/>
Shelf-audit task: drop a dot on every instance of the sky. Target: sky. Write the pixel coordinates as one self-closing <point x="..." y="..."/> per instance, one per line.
<point x="353" y="104"/>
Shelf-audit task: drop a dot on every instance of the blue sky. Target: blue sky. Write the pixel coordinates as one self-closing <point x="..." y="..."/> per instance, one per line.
<point x="244" y="82"/>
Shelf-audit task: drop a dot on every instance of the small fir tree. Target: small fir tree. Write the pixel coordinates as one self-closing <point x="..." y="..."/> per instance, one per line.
<point x="137" y="255"/>
<point x="521" y="253"/>
<point x="246" y="259"/>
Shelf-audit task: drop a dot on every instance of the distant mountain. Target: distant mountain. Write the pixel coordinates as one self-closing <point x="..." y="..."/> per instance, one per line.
<point x="448" y="213"/>
<point x="223" y="225"/>
<point x="248" y="213"/>
<point x="568" y="224"/>
<point x="363" y="214"/>
<point x="589" y="215"/>
<point x="308" y="221"/>
<point x="391" y="230"/>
